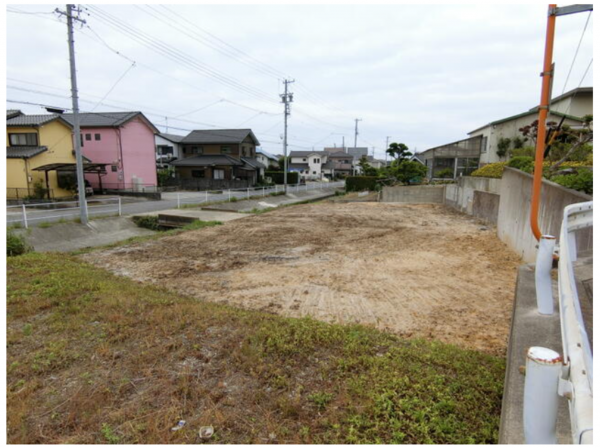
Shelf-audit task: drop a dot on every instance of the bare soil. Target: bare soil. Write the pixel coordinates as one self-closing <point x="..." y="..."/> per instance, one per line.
<point x="414" y="270"/>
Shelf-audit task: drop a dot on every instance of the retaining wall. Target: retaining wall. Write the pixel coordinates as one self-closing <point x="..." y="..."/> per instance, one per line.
<point x="461" y="194"/>
<point x="416" y="194"/>
<point x="485" y="206"/>
<point x="513" y="212"/>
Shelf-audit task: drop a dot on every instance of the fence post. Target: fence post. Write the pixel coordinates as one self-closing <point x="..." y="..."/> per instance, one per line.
<point x="248" y="192"/>
<point x="178" y="201"/>
<point x="229" y="194"/>
<point x="206" y="199"/>
<point x="24" y="216"/>
<point x="543" y="279"/>
<point x="540" y="399"/>
<point x="275" y="188"/>
<point x="264" y="192"/>
<point x="120" y="211"/>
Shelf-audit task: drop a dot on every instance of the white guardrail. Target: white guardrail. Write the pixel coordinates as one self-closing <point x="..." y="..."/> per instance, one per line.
<point x="550" y="375"/>
<point x="201" y="197"/>
<point x="25" y="214"/>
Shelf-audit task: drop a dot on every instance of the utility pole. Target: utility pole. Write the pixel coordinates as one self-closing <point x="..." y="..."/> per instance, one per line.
<point x="356" y="120"/>
<point x="286" y="99"/>
<point x="167" y="124"/>
<point x="343" y="143"/>
<point x="76" y="131"/>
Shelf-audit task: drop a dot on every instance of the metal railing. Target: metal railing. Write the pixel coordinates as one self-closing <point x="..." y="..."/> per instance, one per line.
<point x="26" y="194"/>
<point x="25" y="214"/>
<point x="550" y="375"/>
<point x="248" y="193"/>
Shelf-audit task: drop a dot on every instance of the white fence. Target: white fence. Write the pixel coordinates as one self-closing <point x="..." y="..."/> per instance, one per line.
<point x="248" y="193"/>
<point x="571" y="374"/>
<point x="25" y="214"/>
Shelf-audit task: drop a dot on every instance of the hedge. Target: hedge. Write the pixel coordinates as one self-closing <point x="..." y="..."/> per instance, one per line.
<point x="495" y="170"/>
<point x="361" y="183"/>
<point x="277" y="177"/>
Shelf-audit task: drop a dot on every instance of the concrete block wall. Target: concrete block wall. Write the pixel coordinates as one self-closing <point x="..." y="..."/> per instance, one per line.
<point x="415" y="194"/>
<point x="461" y="195"/>
<point x="486" y="205"/>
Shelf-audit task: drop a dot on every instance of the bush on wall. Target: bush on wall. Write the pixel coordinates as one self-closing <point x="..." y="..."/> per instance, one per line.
<point x="361" y="183"/>
<point x="277" y="177"/>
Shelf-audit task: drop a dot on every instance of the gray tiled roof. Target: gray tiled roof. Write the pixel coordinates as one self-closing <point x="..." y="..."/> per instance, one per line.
<point x="219" y="136"/>
<point x="24" y="152"/>
<point x="268" y="155"/>
<point x="10" y="113"/>
<point x="340" y="154"/>
<point x="172" y="137"/>
<point x="253" y="163"/>
<point x="208" y="160"/>
<point x="33" y="120"/>
<point x="101" y="119"/>
<point x="307" y="153"/>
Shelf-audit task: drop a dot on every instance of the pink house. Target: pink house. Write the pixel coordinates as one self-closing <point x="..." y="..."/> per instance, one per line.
<point x="124" y="141"/>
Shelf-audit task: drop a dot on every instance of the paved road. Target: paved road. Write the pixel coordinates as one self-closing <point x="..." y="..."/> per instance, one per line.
<point x="37" y="214"/>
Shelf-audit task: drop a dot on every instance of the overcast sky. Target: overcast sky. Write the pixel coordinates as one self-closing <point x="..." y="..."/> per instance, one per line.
<point x="423" y="75"/>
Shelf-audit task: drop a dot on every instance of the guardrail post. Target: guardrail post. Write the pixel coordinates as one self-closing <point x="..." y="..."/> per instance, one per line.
<point x="206" y="197"/>
<point x="540" y="400"/>
<point x="178" y="201"/>
<point x="248" y="193"/>
<point x="24" y="216"/>
<point x="120" y="210"/>
<point x="264" y="194"/>
<point x="543" y="279"/>
<point x="229" y="195"/>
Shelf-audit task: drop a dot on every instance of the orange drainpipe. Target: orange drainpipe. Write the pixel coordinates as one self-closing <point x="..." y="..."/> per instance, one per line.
<point x="543" y="114"/>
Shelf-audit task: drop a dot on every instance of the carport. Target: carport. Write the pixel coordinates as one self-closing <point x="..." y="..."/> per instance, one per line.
<point x="98" y="168"/>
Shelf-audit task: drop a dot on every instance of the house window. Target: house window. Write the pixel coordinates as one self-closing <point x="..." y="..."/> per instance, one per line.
<point x="113" y="168"/>
<point x="26" y="139"/>
<point x="218" y="174"/>
<point x="88" y="137"/>
<point x="484" y="141"/>
<point x="97" y="137"/>
<point x="197" y="149"/>
<point x="314" y="172"/>
<point x="304" y="160"/>
<point x="225" y="150"/>
<point x="316" y="161"/>
<point x="198" y="174"/>
<point x="81" y="139"/>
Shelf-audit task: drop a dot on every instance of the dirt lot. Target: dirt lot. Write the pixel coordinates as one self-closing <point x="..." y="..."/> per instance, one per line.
<point x="415" y="270"/>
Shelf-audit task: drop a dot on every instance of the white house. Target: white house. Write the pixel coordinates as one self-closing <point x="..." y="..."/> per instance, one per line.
<point x="308" y="164"/>
<point x="168" y="148"/>
<point x="267" y="159"/>
<point x="572" y="105"/>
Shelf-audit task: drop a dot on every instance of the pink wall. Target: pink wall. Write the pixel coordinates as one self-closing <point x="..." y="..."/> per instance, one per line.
<point x="139" y="159"/>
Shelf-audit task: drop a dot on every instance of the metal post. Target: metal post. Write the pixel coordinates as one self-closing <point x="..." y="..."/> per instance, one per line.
<point x="120" y="210"/>
<point x="286" y="99"/>
<point x="264" y="194"/>
<point x="229" y="194"/>
<point x="540" y="400"/>
<point x="206" y="197"/>
<point x="543" y="279"/>
<point x="24" y="216"/>
<point x="178" y="201"/>
<point x="248" y="193"/>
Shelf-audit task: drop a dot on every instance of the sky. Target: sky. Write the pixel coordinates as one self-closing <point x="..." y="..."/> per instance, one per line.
<point x="423" y="75"/>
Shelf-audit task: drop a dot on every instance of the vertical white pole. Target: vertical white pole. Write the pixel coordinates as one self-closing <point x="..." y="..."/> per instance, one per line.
<point x="543" y="278"/>
<point x="120" y="211"/>
<point x="248" y="193"/>
<point x="178" y="201"/>
<point x="264" y="194"/>
<point x="24" y="216"/>
<point x="540" y="401"/>
<point x="229" y="195"/>
<point x="206" y="197"/>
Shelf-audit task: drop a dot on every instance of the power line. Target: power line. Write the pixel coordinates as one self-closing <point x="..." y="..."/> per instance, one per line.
<point x="173" y="53"/>
<point x="577" y="51"/>
<point x="114" y="85"/>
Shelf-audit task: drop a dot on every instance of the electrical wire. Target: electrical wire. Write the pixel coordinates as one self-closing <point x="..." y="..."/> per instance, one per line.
<point x="114" y="85"/>
<point x="577" y="51"/>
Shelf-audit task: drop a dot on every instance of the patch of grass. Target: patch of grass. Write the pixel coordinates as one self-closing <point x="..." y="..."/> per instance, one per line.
<point x="16" y="244"/>
<point x="116" y="361"/>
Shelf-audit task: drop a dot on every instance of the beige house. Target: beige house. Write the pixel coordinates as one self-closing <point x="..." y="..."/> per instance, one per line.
<point x="572" y="105"/>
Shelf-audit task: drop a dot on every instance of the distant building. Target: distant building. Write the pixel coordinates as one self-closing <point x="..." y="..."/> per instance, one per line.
<point x="573" y="106"/>
<point x="452" y="160"/>
<point x="267" y="159"/>
<point x="168" y="148"/>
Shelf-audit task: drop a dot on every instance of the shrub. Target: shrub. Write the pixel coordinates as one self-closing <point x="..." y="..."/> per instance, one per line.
<point x="503" y="145"/>
<point x="16" y="244"/>
<point x="492" y="170"/>
<point x="446" y="173"/>
<point x="527" y="151"/>
<point x="408" y="172"/>
<point x="147" y="222"/>
<point x="522" y="163"/>
<point x="583" y="180"/>
<point x="277" y="177"/>
<point x="361" y="183"/>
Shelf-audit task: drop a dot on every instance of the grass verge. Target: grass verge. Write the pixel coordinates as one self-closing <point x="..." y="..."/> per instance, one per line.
<point x="95" y="358"/>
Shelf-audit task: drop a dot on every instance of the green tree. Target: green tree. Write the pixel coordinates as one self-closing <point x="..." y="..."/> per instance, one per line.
<point x="398" y="151"/>
<point x="406" y="171"/>
<point x="281" y="162"/>
<point x="367" y="169"/>
<point x="164" y="175"/>
<point x="503" y="146"/>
